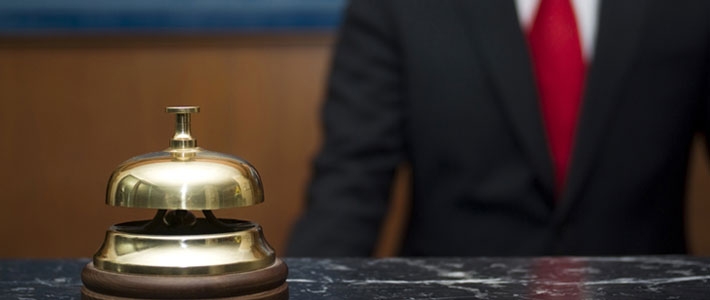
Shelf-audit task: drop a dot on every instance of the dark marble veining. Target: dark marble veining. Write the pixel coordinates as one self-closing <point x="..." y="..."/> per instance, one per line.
<point x="649" y="277"/>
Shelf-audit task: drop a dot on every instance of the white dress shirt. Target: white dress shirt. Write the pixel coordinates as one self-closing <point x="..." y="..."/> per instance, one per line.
<point x="585" y="11"/>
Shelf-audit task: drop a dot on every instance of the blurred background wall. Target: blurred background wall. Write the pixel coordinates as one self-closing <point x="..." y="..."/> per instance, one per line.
<point x="83" y="87"/>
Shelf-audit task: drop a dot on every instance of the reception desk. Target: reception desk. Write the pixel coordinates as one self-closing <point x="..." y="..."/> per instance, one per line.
<point x="645" y="277"/>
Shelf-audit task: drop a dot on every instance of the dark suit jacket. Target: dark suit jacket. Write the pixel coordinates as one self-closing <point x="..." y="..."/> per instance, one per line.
<point x="447" y="86"/>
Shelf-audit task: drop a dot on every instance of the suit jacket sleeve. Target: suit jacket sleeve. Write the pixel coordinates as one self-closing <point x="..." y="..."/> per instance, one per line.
<point x="363" y="144"/>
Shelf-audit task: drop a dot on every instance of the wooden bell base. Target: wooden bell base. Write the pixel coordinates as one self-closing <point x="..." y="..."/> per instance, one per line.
<point x="268" y="283"/>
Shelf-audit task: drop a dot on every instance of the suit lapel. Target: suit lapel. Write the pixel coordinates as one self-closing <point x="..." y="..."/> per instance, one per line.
<point x="620" y="23"/>
<point x="495" y="33"/>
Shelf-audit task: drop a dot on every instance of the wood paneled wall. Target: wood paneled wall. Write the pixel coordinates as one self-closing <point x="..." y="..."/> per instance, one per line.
<point x="73" y="109"/>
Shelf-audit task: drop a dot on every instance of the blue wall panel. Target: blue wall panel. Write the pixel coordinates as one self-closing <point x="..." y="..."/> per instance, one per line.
<point x="49" y="17"/>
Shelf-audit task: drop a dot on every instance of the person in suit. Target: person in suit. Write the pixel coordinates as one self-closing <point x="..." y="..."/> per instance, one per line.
<point x="504" y="163"/>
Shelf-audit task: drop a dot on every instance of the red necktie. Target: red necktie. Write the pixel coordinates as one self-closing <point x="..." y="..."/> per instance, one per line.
<point x="559" y="70"/>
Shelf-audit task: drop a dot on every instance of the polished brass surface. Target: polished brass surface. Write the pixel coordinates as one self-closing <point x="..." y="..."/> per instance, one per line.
<point x="182" y="109"/>
<point x="240" y="249"/>
<point x="191" y="180"/>
<point x="184" y="176"/>
<point x="182" y="138"/>
<point x="181" y="178"/>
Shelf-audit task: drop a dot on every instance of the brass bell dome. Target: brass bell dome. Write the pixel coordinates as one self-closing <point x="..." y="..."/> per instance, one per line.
<point x="184" y="176"/>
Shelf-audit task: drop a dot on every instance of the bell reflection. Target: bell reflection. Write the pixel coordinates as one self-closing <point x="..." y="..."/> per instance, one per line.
<point x="558" y="278"/>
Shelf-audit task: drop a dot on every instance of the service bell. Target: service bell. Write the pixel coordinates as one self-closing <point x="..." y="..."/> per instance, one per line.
<point x="177" y="255"/>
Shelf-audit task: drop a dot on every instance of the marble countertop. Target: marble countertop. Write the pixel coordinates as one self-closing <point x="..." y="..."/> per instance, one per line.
<point x="646" y="277"/>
